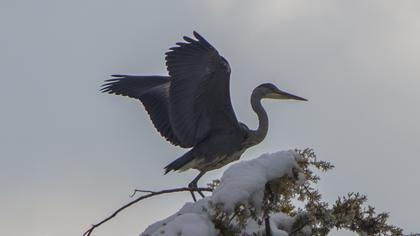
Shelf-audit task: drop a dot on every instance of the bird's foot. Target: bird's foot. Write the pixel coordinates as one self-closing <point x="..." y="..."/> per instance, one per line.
<point x="201" y="193"/>
<point x="193" y="186"/>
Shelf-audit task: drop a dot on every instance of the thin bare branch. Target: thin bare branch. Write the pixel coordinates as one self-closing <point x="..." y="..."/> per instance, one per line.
<point x="140" y="191"/>
<point x="151" y="194"/>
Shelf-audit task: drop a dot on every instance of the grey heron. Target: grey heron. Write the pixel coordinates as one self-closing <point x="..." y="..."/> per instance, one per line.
<point x="191" y="107"/>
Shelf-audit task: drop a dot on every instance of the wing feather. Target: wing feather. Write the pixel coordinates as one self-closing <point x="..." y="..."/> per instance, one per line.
<point x="153" y="92"/>
<point x="199" y="96"/>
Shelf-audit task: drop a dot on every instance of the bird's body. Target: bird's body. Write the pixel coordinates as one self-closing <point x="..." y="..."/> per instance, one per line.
<point x="217" y="150"/>
<point x="191" y="107"/>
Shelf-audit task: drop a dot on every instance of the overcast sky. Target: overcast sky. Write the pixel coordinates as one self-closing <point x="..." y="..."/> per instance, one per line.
<point x="70" y="155"/>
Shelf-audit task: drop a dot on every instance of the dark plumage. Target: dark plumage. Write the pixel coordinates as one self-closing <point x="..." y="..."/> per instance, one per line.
<point x="191" y="107"/>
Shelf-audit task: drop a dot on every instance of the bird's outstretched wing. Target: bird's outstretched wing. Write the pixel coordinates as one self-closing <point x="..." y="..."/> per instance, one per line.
<point x="153" y="92"/>
<point x="199" y="97"/>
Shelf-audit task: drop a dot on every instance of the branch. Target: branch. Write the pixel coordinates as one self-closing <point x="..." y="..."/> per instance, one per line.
<point x="268" y="198"/>
<point x="140" y="191"/>
<point x="151" y="194"/>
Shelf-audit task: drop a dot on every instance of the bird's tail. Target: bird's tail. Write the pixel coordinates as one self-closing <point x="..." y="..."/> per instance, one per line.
<point x="181" y="163"/>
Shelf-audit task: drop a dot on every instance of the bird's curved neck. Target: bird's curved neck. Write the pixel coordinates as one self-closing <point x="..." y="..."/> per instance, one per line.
<point x="259" y="134"/>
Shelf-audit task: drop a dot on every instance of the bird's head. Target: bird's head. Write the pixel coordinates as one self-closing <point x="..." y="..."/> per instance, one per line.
<point x="269" y="90"/>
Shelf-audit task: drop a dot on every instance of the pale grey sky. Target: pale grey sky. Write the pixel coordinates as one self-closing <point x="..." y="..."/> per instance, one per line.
<point x="69" y="155"/>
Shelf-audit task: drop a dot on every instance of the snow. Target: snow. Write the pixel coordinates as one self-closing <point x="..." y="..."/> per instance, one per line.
<point x="189" y="224"/>
<point x="190" y="219"/>
<point x="244" y="181"/>
<point x="253" y="228"/>
<point x="241" y="183"/>
<point x="280" y="223"/>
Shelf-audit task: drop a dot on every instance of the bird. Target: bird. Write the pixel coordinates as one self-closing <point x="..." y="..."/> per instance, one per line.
<point x="191" y="106"/>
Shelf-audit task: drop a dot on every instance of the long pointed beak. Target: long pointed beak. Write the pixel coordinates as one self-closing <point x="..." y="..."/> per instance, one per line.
<point x="285" y="95"/>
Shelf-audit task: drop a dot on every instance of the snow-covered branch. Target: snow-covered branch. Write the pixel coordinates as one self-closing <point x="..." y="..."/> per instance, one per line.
<point x="239" y="194"/>
<point x="256" y="198"/>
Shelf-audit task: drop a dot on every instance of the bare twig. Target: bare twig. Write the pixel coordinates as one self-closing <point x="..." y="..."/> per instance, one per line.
<point x="140" y="191"/>
<point x="151" y="194"/>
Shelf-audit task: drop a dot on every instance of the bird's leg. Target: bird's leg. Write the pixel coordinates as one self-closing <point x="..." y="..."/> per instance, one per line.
<point x="193" y="196"/>
<point x="193" y="185"/>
